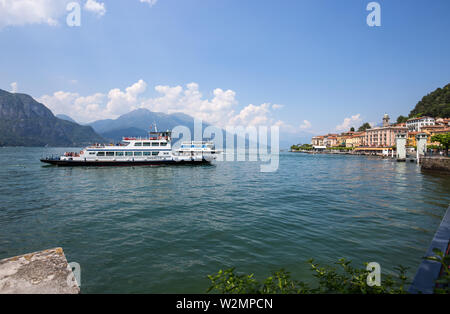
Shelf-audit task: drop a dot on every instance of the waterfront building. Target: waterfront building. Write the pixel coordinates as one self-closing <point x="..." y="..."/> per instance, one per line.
<point x="317" y="141"/>
<point x="383" y="136"/>
<point x="328" y="140"/>
<point x="434" y="130"/>
<point x="340" y="140"/>
<point x="416" y="124"/>
<point x="343" y="137"/>
<point x="355" y="140"/>
<point x="331" y="141"/>
<point x="429" y="130"/>
<point x="411" y="139"/>
<point x="443" y="121"/>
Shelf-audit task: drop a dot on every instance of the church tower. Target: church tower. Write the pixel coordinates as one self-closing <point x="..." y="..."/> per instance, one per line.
<point x="386" y="120"/>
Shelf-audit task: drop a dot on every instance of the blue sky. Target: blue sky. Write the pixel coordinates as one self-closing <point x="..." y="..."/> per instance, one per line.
<point x="315" y="60"/>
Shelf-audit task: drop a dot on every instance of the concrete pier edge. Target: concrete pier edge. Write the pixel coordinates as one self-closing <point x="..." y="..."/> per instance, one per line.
<point x="43" y="272"/>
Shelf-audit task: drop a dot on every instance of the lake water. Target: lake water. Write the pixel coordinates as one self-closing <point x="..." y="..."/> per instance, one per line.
<point x="164" y="229"/>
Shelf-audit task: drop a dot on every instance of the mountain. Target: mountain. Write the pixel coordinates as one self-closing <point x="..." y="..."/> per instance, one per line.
<point x="435" y="104"/>
<point x="117" y="135"/>
<point x="26" y="122"/>
<point x="65" y="117"/>
<point x="138" y="123"/>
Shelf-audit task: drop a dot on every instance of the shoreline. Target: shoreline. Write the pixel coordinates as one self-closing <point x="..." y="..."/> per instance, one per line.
<point x="436" y="164"/>
<point x="344" y="153"/>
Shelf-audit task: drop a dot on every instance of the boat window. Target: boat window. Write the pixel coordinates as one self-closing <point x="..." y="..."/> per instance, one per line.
<point x="155" y="153"/>
<point x="119" y="153"/>
<point x="155" y="144"/>
<point x="146" y="143"/>
<point x="101" y="154"/>
<point x="110" y="154"/>
<point x="163" y="144"/>
<point x="129" y="154"/>
<point x="147" y="153"/>
<point x="137" y="153"/>
<point x="92" y="153"/>
<point x="138" y="144"/>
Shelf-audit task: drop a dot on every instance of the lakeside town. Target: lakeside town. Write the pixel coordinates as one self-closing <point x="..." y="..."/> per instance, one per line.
<point x="145" y="149"/>
<point x="381" y="140"/>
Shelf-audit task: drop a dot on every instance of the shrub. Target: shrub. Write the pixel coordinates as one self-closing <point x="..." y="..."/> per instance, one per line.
<point x="329" y="280"/>
<point x="345" y="279"/>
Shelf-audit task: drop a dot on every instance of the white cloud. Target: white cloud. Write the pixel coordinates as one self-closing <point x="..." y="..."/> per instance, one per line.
<point x="121" y="102"/>
<point x="277" y="106"/>
<point x="221" y="110"/>
<point x="349" y="122"/>
<point x="150" y="2"/>
<point x="189" y="100"/>
<point x="302" y="128"/>
<point x="14" y="87"/>
<point x="22" y="12"/>
<point x="95" y="106"/>
<point x="253" y="115"/>
<point x="95" y="7"/>
<point x="78" y="107"/>
<point x="305" y="125"/>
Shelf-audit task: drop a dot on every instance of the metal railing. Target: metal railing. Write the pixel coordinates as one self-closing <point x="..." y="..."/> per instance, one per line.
<point x="429" y="271"/>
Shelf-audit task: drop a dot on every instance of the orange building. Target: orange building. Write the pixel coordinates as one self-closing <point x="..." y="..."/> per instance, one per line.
<point x="355" y="140"/>
<point x="411" y="139"/>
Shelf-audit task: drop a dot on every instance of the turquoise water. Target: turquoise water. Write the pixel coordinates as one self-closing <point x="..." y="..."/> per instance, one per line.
<point x="163" y="229"/>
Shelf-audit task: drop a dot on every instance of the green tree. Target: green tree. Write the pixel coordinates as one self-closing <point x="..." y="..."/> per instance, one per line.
<point x="443" y="139"/>
<point x="364" y="127"/>
<point x="435" y="104"/>
<point x="402" y="119"/>
<point x="306" y="147"/>
<point x="352" y="129"/>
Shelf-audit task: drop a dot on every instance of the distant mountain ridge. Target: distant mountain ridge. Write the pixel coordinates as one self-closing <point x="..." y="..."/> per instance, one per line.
<point x="26" y="122"/>
<point x="138" y="123"/>
<point x="65" y="117"/>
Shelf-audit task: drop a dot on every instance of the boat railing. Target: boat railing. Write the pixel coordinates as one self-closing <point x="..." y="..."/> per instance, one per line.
<point x="145" y="138"/>
<point x="197" y="143"/>
<point x="51" y="157"/>
<point x="97" y="146"/>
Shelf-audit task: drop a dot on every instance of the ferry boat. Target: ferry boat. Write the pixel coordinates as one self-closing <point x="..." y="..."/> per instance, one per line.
<point x="154" y="150"/>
